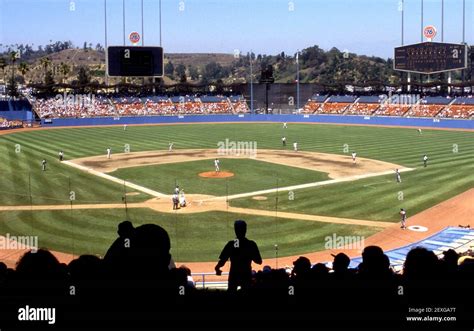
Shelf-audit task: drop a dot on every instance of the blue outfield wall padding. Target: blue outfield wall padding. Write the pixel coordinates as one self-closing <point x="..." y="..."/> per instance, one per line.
<point x="332" y="119"/>
<point x="20" y="115"/>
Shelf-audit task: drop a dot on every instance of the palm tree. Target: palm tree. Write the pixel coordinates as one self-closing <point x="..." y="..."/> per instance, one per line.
<point x="45" y="62"/>
<point x="13" y="57"/>
<point x="3" y="65"/>
<point x="64" y="69"/>
<point x="23" y="68"/>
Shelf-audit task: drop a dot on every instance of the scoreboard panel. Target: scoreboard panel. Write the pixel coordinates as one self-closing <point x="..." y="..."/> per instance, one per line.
<point x="430" y="57"/>
<point x="134" y="61"/>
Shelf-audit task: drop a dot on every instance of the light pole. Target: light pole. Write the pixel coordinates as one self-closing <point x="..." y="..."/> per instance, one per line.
<point x="251" y="84"/>
<point x="297" y="81"/>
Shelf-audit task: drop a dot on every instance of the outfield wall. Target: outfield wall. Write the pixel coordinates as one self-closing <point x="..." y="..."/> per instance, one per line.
<point x="334" y="119"/>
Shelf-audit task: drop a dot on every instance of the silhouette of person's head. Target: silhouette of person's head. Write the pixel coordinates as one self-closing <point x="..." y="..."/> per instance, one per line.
<point x="341" y="262"/>
<point x="38" y="265"/>
<point x="151" y="250"/>
<point x="125" y="229"/>
<point x="420" y="264"/>
<point x="86" y="267"/>
<point x="301" y="266"/>
<point x="240" y="228"/>
<point x="374" y="261"/>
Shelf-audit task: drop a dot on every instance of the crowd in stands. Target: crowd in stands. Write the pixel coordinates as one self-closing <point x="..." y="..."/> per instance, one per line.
<point x="400" y="106"/>
<point x="137" y="274"/>
<point x="7" y="124"/>
<point x="102" y="106"/>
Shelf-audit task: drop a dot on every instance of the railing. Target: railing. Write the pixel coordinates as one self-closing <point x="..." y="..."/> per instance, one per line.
<point x="202" y="283"/>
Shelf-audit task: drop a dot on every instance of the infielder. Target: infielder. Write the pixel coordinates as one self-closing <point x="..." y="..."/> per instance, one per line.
<point x="109" y="152"/>
<point x="295" y="146"/>
<point x="425" y="161"/>
<point x="397" y="174"/>
<point x="61" y="156"/>
<point x="283" y="140"/>
<point x="403" y="215"/>
<point x="216" y="165"/>
<point x="354" y="155"/>
<point x="170" y="147"/>
<point x="43" y="165"/>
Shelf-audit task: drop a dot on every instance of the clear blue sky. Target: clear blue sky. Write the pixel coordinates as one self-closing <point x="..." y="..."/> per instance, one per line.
<point x="369" y="27"/>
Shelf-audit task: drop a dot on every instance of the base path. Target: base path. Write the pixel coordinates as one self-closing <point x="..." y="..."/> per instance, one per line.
<point x="336" y="166"/>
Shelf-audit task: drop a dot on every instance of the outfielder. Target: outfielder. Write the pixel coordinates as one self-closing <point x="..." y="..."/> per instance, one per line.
<point x="397" y="174"/>
<point x="43" y="165"/>
<point x="425" y="161"/>
<point x="283" y="140"/>
<point x="295" y="146"/>
<point x="61" y="156"/>
<point x="109" y="152"/>
<point x="216" y="165"/>
<point x="285" y="126"/>
<point x="170" y="147"/>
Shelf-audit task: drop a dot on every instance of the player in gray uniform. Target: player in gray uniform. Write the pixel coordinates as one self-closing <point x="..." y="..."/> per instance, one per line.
<point x="397" y="174"/>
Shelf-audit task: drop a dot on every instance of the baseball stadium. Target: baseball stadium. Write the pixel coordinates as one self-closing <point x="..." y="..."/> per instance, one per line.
<point x="349" y="174"/>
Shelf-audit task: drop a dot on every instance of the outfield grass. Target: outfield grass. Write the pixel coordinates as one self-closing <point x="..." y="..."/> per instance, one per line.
<point x="197" y="237"/>
<point x="249" y="175"/>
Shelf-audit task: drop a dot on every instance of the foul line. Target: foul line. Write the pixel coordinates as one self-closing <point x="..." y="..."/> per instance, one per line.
<point x="308" y="185"/>
<point x="117" y="180"/>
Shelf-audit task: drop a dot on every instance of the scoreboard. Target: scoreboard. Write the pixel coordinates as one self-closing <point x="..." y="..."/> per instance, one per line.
<point x="134" y="61"/>
<point x="430" y="57"/>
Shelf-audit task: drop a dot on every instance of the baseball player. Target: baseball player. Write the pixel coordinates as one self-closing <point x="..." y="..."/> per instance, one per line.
<point x="354" y="155"/>
<point x="295" y="146"/>
<point x="109" y="152"/>
<point x="61" y="156"/>
<point x="403" y="215"/>
<point x="283" y="140"/>
<point x="397" y="174"/>
<point x="43" y="165"/>
<point x="176" y="190"/>
<point x="216" y="165"/>
<point x="175" y="201"/>
<point x="419" y="131"/>
<point x="182" y="199"/>
<point x="425" y="160"/>
<point x="285" y="126"/>
<point x="170" y="147"/>
<point x="125" y="127"/>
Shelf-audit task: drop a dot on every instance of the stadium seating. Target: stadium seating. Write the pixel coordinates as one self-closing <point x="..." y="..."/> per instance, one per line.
<point x="428" y="107"/>
<point x="337" y="104"/>
<point x="314" y="104"/>
<point x="6" y="124"/>
<point x="462" y="107"/>
<point x="365" y="105"/>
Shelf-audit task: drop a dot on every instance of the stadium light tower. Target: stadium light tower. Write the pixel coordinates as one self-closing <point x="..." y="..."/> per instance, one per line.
<point x="123" y="20"/>
<point x="297" y="81"/>
<point x="251" y="84"/>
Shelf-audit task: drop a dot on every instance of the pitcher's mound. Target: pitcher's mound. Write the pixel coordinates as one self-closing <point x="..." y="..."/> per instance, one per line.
<point x="213" y="174"/>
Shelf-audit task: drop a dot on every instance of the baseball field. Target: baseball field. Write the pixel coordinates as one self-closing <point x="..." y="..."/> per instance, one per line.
<point x="293" y="199"/>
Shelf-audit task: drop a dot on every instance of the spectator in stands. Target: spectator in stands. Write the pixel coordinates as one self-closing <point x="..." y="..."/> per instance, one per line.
<point x="241" y="252"/>
<point x="375" y="264"/>
<point x="340" y="266"/>
<point x="119" y="253"/>
<point x="420" y="264"/>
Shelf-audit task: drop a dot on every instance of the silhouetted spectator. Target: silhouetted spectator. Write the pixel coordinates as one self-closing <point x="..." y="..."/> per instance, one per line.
<point x="86" y="267"/>
<point x="375" y="264"/>
<point x="241" y="252"/>
<point x="117" y="260"/>
<point x="301" y="270"/>
<point x="420" y="264"/>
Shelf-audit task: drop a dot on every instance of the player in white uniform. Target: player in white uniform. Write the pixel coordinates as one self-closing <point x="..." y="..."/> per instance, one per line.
<point x="283" y="140"/>
<point x="216" y="165"/>
<point x="285" y="126"/>
<point x="170" y="147"/>
<point x="403" y="215"/>
<point x="109" y="152"/>
<point x="295" y="146"/>
<point x="397" y="174"/>
<point x="354" y="155"/>
<point x="425" y="160"/>
<point x="419" y="131"/>
<point x="124" y="127"/>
